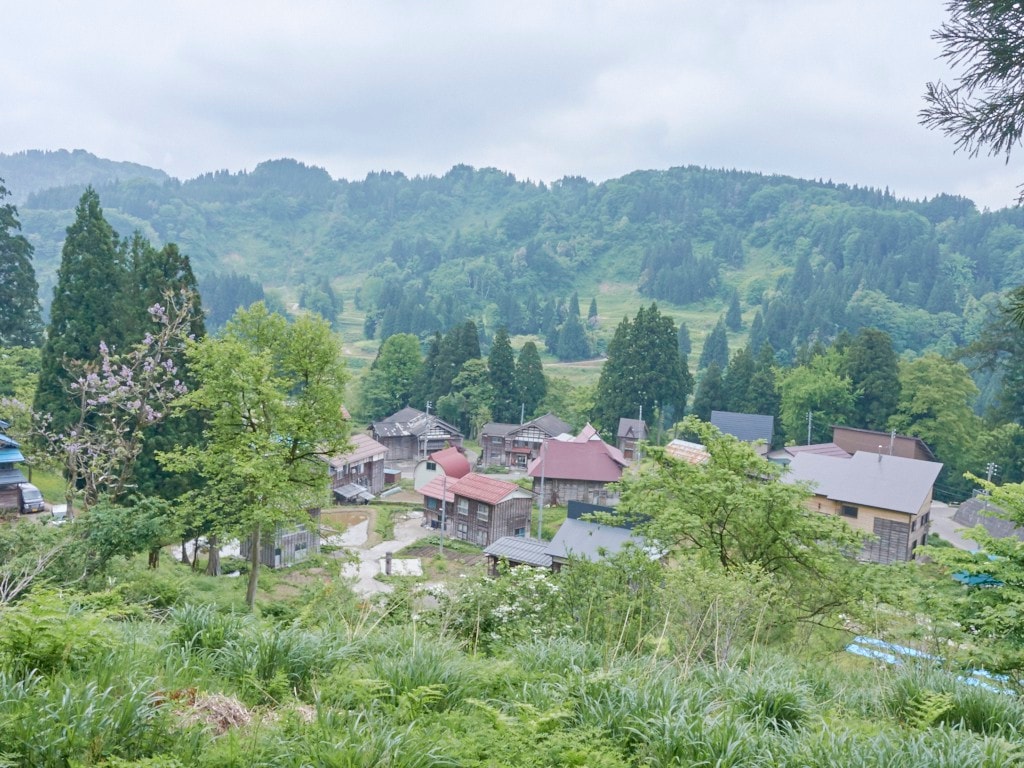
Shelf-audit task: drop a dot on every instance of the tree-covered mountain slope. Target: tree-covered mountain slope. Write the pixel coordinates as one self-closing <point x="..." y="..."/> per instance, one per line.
<point x="805" y="259"/>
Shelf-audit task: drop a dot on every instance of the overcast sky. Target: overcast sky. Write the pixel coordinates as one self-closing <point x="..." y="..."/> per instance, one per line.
<point x="810" y="88"/>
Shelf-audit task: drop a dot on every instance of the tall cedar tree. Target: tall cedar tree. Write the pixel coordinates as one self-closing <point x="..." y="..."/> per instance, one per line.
<point x="716" y="347"/>
<point x="736" y="381"/>
<point x="460" y="344"/>
<point x="592" y="313"/>
<point x="873" y="370"/>
<point x="530" y="381"/>
<point x="685" y="345"/>
<point x="88" y="306"/>
<point x="644" y="371"/>
<point x="154" y="274"/>
<point x="734" y="317"/>
<point x="501" y="367"/>
<point x="20" y="323"/>
<point x="710" y="395"/>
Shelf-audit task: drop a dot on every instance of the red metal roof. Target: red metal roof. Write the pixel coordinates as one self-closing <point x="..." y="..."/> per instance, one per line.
<point x="452" y="461"/>
<point x="485" y="489"/>
<point x="593" y="460"/>
<point x="437" y="486"/>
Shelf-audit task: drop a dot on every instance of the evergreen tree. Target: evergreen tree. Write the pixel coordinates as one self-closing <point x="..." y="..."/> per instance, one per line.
<point x="873" y="370"/>
<point x="574" y="306"/>
<point x="572" y="340"/>
<point x="710" y="395"/>
<point x="592" y="313"/>
<point x="683" y="335"/>
<point x="736" y="381"/>
<point x="501" y="367"/>
<point x="20" y="324"/>
<point x="87" y="306"/>
<point x="530" y="381"/>
<point x="734" y="317"/>
<point x="644" y="371"/>
<point x="716" y="347"/>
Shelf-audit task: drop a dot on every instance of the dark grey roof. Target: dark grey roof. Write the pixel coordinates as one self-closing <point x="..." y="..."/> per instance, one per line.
<point x="748" y="427"/>
<point x="590" y="541"/>
<point x="418" y="425"/>
<point x="869" y="479"/>
<point x="353" y="491"/>
<point x="12" y="477"/>
<point x="632" y="428"/>
<point x="406" y="414"/>
<point x="551" y="424"/>
<point x="520" y="549"/>
<point x="497" y="429"/>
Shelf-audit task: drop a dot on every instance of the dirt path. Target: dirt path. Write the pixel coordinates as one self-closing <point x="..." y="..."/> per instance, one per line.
<point x="372" y="558"/>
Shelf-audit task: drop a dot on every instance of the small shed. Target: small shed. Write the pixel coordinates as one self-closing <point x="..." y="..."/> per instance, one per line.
<point x="517" y="550"/>
<point x="289" y="544"/>
<point x="353" y="493"/>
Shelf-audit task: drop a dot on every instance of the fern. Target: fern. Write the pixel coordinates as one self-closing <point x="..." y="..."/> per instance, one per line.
<point x="928" y="708"/>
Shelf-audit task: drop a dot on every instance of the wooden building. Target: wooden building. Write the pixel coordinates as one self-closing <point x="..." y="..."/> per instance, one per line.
<point x="11" y="476"/>
<point x="887" y="496"/>
<point x="577" y="470"/>
<point x="851" y="440"/>
<point x="630" y="432"/>
<point x="516" y="445"/>
<point x="413" y="434"/>
<point x="289" y="544"/>
<point x="477" y="508"/>
<point x="363" y="465"/>
<point x="451" y="462"/>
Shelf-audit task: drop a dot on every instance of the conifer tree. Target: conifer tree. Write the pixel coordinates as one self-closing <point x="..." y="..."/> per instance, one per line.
<point x="736" y="381"/>
<point x="501" y="367"/>
<point x="644" y="371"/>
<point x="873" y="370"/>
<point x="683" y="335"/>
<point x="87" y="308"/>
<point x="734" y="317"/>
<point x="572" y="340"/>
<point x="710" y="395"/>
<point x="592" y="313"/>
<point x="20" y="324"/>
<point x="530" y="379"/>
<point x="716" y="347"/>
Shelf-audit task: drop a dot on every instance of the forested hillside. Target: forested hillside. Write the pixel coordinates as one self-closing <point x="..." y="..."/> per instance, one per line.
<point x="421" y="254"/>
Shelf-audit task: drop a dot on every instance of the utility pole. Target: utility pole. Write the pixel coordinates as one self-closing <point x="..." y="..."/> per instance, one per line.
<point x="540" y="501"/>
<point x="810" y="417"/>
<point x="444" y="504"/>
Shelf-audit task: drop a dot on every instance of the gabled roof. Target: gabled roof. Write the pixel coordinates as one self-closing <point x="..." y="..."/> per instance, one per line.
<point x="417" y="425"/>
<point x="363" y="447"/>
<point x="452" y="461"/>
<point x="632" y="429"/>
<point x="497" y="429"/>
<point x="437" y="486"/>
<point x="823" y="449"/>
<point x="586" y="434"/>
<point x="486" y="489"/>
<point x="550" y="424"/>
<point x="521" y="549"/>
<point x="10" y="455"/>
<point x="590" y="541"/>
<point x="12" y="477"/>
<point x="8" y="442"/>
<point x="593" y="461"/>
<point x="748" y="427"/>
<point x="868" y="479"/>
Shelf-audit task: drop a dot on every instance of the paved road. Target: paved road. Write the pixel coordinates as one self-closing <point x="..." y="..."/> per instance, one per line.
<point x="945" y="526"/>
<point x="371" y="558"/>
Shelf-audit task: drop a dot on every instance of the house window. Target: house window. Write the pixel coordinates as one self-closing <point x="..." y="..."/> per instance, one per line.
<point x="913" y="525"/>
<point x="463" y="507"/>
<point x="431" y="466"/>
<point x="462" y="531"/>
<point x="431" y="503"/>
<point x="497" y="440"/>
<point x="521" y="532"/>
<point x="848" y="511"/>
<point x="483" y="513"/>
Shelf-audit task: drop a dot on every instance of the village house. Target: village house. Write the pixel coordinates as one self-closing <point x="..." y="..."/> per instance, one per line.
<point x="747" y="427"/>
<point x="451" y="462"/>
<point x="516" y="445"/>
<point x="577" y="470"/>
<point x="887" y="496"/>
<point x="630" y="432"/>
<point x="11" y="477"/>
<point x="851" y="440"/>
<point x="413" y="434"/>
<point x="290" y="544"/>
<point x="477" y="508"/>
<point x="362" y="466"/>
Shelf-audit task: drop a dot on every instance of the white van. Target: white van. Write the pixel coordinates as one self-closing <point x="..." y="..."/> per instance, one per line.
<point x="31" y="498"/>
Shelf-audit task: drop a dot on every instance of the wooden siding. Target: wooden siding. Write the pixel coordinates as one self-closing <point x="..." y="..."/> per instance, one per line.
<point x="559" y="492"/>
<point x="289" y="545"/>
<point x="897" y="533"/>
<point x="369" y="474"/>
<point x="480" y="523"/>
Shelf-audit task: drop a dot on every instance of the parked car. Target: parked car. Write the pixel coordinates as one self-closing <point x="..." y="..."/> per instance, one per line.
<point x="31" y="498"/>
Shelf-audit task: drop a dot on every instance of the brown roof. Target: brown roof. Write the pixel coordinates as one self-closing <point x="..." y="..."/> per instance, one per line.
<point x="593" y="460"/>
<point x="452" y="461"/>
<point x="684" y="450"/>
<point x="485" y="489"/>
<point x="363" y="447"/>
